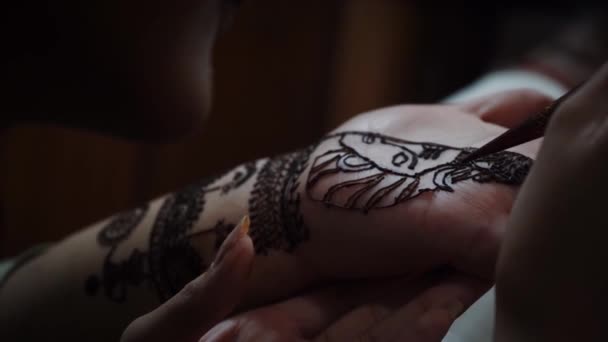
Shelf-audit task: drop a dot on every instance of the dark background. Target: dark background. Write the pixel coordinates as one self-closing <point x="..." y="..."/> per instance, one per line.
<point x="287" y="72"/>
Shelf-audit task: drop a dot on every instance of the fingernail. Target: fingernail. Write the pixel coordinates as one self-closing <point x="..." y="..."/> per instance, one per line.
<point x="237" y="233"/>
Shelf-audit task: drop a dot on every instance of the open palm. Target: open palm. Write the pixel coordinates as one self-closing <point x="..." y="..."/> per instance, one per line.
<point x="385" y="195"/>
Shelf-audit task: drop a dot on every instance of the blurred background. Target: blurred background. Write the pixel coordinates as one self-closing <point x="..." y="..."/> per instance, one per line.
<point x="287" y="72"/>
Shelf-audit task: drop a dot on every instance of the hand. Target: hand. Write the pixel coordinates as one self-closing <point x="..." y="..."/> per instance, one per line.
<point x="343" y="313"/>
<point x="557" y="233"/>
<point x="204" y="301"/>
<point x="402" y="309"/>
<point x="461" y="228"/>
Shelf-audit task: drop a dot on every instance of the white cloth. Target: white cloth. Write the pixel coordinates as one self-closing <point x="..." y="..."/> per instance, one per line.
<point x="477" y="323"/>
<point x="508" y="80"/>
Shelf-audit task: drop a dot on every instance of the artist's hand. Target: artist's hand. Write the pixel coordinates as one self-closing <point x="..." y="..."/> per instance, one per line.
<point x="403" y="309"/>
<point x="551" y="276"/>
<point x="204" y="301"/>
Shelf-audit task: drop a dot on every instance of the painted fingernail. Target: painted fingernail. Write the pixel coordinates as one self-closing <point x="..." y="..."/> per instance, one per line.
<point x="239" y="231"/>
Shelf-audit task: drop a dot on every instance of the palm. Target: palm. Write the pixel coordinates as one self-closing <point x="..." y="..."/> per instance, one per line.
<point x="461" y="228"/>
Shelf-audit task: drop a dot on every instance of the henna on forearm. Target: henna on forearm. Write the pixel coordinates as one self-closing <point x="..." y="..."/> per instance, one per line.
<point x="351" y="170"/>
<point x="116" y="276"/>
<point x="274" y="205"/>
<point x="171" y="261"/>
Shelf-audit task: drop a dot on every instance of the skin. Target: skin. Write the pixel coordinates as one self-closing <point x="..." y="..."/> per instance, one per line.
<point x="143" y="64"/>
<point x="416" y="308"/>
<point x="556" y="237"/>
<point x="461" y="230"/>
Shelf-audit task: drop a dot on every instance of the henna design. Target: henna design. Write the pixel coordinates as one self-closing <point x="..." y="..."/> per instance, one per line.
<point x="375" y="171"/>
<point x="117" y="276"/>
<point x="171" y="261"/>
<point x="121" y="226"/>
<point x="239" y="178"/>
<point x="379" y="171"/>
<point x="274" y="205"/>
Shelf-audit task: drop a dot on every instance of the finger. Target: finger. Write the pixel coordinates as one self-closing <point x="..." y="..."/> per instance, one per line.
<point x="508" y="108"/>
<point x="428" y="317"/>
<point x="317" y="312"/>
<point x="205" y="300"/>
<point x="370" y="313"/>
<point x="246" y="328"/>
<point x="301" y="317"/>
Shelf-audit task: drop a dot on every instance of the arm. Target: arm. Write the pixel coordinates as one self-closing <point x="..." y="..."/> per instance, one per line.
<point x="121" y="267"/>
<point x="384" y="194"/>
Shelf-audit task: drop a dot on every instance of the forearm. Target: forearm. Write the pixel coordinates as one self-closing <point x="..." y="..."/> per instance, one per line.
<point x="362" y="202"/>
<point x="122" y="267"/>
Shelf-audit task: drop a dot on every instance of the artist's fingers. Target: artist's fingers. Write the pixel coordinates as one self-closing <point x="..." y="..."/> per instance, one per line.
<point x="508" y="108"/>
<point x="204" y="301"/>
<point x="428" y="317"/>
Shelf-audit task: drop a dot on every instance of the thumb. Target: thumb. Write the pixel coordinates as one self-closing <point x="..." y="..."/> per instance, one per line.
<point x="507" y="108"/>
<point x="205" y="300"/>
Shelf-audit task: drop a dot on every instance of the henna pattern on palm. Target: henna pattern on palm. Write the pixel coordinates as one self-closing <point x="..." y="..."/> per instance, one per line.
<point x="378" y="171"/>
